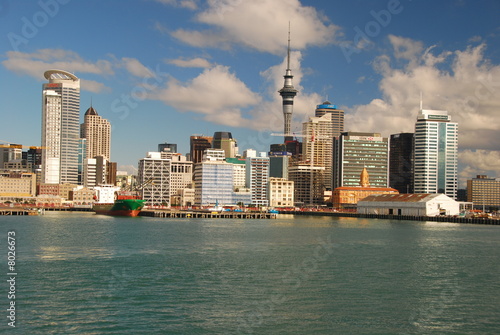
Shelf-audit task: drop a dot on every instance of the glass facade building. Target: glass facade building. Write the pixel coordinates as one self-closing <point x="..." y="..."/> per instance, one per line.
<point x="60" y="127"/>
<point x="355" y="151"/>
<point x="436" y="153"/>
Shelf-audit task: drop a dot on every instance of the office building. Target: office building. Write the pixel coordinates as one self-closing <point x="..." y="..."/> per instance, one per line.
<point x="401" y="162"/>
<point x="97" y="132"/>
<point x="213" y="181"/>
<point x="257" y="178"/>
<point x="436" y="153"/>
<point x="354" y="151"/>
<point x="317" y="145"/>
<point x="280" y="192"/>
<point x="154" y="176"/>
<point x="308" y="184"/>
<point x="225" y="141"/>
<point x="197" y="146"/>
<point x="60" y="127"/>
<point x="484" y="192"/>
<point x="336" y="117"/>
<point x="171" y="147"/>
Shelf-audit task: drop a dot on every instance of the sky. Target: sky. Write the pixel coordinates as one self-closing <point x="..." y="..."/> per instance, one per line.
<point x="163" y="70"/>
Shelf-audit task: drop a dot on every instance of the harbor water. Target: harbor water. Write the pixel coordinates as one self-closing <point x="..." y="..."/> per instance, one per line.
<point x="81" y="273"/>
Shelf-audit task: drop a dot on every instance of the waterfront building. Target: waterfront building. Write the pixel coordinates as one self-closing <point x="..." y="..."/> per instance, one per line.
<point x="197" y="146"/>
<point x="60" y="127"/>
<point x="154" y="175"/>
<point x="225" y="141"/>
<point x="336" y="117"/>
<point x="17" y="184"/>
<point x="56" y="190"/>
<point x="308" y="184"/>
<point x="317" y="145"/>
<point x="82" y="197"/>
<point x="239" y="172"/>
<point x="257" y="178"/>
<point x="401" y="162"/>
<point x="409" y="204"/>
<point x="347" y="197"/>
<point x="213" y="182"/>
<point x="484" y="192"/>
<point x="436" y="153"/>
<point x="355" y="151"/>
<point x="181" y="177"/>
<point x="281" y="192"/>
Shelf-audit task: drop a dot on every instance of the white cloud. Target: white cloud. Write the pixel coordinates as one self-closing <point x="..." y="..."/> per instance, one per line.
<point x="134" y="67"/>
<point x="35" y="64"/>
<point x="193" y="62"/>
<point x="190" y="4"/>
<point x="478" y="162"/>
<point x="216" y="93"/>
<point x="261" y="25"/>
<point x="462" y="82"/>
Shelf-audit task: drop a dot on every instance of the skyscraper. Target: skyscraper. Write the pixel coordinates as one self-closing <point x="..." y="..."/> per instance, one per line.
<point x="97" y="131"/>
<point x="317" y="145"/>
<point x="197" y="146"/>
<point x="355" y="151"/>
<point x="225" y="141"/>
<point x="337" y="116"/>
<point x="288" y="92"/>
<point x="401" y="162"/>
<point x="436" y="153"/>
<point x="60" y="127"/>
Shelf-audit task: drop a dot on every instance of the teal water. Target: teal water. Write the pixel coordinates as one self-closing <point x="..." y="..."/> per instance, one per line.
<point x="88" y="274"/>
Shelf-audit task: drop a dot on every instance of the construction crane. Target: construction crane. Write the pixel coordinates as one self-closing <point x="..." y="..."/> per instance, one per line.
<point x="19" y="146"/>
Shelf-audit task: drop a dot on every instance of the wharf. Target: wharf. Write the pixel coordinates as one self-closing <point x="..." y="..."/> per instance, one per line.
<point x="18" y="211"/>
<point x="207" y="215"/>
<point x="441" y="218"/>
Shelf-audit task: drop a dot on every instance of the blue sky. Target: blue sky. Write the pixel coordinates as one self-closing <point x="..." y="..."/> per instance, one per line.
<point x="163" y="70"/>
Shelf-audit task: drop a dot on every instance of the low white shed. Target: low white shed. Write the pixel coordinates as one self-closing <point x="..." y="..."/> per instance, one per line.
<point x="409" y="204"/>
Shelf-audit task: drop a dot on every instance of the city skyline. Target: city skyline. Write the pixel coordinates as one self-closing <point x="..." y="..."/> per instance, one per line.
<point x="166" y="71"/>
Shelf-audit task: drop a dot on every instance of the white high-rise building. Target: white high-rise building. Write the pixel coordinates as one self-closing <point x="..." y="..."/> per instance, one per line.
<point x="436" y="153"/>
<point x="257" y="178"/>
<point x="60" y="127"/>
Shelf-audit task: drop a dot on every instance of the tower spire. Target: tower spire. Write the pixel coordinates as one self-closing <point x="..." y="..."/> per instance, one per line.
<point x="288" y="92"/>
<point x="288" y="52"/>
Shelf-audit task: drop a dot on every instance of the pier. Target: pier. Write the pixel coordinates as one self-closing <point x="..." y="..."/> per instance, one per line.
<point x="18" y="211"/>
<point x="441" y="218"/>
<point x="207" y="215"/>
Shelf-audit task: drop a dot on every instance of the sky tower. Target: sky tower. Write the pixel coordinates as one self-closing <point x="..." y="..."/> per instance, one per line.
<point x="288" y="92"/>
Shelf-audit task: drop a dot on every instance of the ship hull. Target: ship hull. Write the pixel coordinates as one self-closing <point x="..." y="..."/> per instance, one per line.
<point x="126" y="207"/>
